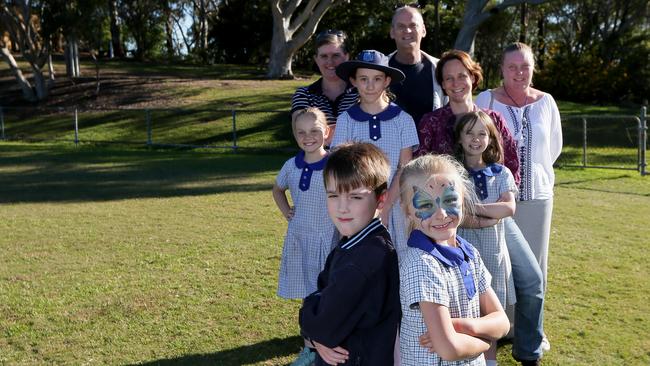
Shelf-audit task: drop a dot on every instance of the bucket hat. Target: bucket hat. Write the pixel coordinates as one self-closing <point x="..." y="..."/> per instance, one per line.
<point x="369" y="59"/>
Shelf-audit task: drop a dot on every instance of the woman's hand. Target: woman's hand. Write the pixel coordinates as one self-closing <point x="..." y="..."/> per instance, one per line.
<point x="290" y="213"/>
<point x="332" y="356"/>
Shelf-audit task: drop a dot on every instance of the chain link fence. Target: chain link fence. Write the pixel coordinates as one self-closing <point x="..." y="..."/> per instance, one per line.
<point x="603" y="141"/>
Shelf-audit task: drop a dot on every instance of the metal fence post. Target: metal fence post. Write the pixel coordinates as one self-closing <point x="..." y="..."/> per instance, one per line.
<point x="584" y="142"/>
<point x="643" y="138"/>
<point x="2" y="122"/>
<point x="147" y="116"/>
<point x="234" y="130"/>
<point x="76" y="127"/>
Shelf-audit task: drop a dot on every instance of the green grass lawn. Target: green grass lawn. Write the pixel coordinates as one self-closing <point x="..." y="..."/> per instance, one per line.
<point x="163" y="257"/>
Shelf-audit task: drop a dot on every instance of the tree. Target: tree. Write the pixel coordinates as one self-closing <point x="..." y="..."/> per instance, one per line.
<point x="293" y="23"/>
<point x="23" y="27"/>
<point x="116" y="34"/>
<point x="145" y="23"/>
<point x="477" y="12"/>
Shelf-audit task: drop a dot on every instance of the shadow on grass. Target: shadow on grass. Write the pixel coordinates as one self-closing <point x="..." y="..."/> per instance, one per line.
<point x="575" y="184"/>
<point x="244" y="355"/>
<point x="57" y="174"/>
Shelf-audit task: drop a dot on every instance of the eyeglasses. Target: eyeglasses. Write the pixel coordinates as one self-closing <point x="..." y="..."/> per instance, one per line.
<point x="330" y="32"/>
<point x="402" y="5"/>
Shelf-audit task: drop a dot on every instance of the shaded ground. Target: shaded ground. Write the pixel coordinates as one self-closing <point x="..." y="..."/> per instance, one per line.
<point x="129" y="84"/>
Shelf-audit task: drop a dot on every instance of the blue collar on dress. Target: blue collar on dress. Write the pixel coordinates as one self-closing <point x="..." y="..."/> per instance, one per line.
<point x="460" y="256"/>
<point x="480" y="178"/>
<point x="307" y="169"/>
<point x="374" y="121"/>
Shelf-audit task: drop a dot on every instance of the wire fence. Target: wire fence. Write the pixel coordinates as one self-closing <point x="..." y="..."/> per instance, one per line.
<point x="590" y="141"/>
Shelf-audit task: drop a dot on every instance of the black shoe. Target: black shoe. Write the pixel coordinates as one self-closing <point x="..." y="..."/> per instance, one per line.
<point x="537" y="362"/>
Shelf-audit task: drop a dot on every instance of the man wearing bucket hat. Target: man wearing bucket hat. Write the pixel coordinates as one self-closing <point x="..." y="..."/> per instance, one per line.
<point x="420" y="92"/>
<point x="377" y="120"/>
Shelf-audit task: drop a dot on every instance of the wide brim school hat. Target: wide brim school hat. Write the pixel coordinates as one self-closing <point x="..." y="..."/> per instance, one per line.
<point x="370" y="59"/>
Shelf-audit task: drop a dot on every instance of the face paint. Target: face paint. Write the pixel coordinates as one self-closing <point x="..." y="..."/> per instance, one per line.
<point x="425" y="205"/>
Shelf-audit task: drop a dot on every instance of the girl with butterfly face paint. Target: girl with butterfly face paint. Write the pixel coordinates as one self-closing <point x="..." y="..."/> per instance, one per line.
<point x="449" y="310"/>
<point x="479" y="149"/>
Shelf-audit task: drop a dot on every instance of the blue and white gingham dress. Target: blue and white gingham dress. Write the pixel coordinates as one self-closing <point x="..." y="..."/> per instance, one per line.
<point x="310" y="235"/>
<point x="425" y="278"/>
<point x="491" y="241"/>
<point x="391" y="130"/>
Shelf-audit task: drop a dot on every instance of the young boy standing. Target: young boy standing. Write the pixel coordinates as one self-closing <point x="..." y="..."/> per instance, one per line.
<point x="352" y="318"/>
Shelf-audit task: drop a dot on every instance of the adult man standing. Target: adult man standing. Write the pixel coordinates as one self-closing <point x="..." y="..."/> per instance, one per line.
<point x="419" y="93"/>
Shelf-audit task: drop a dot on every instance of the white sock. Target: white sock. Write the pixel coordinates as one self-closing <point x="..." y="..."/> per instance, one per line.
<point x="490" y="362"/>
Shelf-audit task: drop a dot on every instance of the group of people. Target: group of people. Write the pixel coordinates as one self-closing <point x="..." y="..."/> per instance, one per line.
<point x="418" y="213"/>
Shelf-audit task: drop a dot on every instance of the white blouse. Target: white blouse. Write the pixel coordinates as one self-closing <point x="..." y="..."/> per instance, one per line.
<point x="537" y="130"/>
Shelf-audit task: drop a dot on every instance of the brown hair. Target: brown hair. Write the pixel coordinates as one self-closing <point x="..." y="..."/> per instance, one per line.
<point x="357" y="164"/>
<point x="472" y="66"/>
<point x="331" y="36"/>
<point x="423" y="168"/>
<point x="318" y="115"/>
<point x="494" y="151"/>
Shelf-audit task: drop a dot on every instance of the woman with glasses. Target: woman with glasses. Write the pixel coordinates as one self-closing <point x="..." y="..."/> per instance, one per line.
<point x="330" y="94"/>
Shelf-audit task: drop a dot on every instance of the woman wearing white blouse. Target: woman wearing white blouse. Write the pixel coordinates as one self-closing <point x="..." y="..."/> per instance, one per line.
<point x="534" y="122"/>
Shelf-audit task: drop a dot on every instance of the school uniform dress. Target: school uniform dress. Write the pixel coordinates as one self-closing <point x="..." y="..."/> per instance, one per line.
<point x="357" y="303"/>
<point x="391" y="130"/>
<point x="490" y="183"/>
<point x="310" y="234"/>
<point x="312" y="96"/>
<point x="450" y="276"/>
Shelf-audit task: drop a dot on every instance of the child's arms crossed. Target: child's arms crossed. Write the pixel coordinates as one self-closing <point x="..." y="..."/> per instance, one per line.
<point x="449" y="344"/>
<point x="503" y="208"/>
<point x="493" y="323"/>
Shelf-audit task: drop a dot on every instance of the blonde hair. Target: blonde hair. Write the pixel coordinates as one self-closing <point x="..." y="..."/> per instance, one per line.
<point x="357" y="164"/>
<point x="521" y="47"/>
<point x="317" y="114"/>
<point x="423" y="168"/>
<point x="494" y="151"/>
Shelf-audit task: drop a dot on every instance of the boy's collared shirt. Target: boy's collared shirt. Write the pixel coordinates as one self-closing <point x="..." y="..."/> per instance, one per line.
<point x="357" y="303"/>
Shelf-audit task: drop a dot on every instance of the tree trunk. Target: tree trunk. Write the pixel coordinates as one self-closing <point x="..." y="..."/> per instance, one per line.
<point x="523" y="23"/>
<point x="169" y="27"/>
<point x="291" y="30"/>
<point x="25" y="87"/>
<point x="116" y="41"/>
<point x="72" y="57"/>
<point x="541" y="42"/>
<point x="40" y="84"/>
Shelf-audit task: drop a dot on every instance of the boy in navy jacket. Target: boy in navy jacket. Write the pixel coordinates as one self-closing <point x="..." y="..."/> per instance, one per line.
<point x="353" y="317"/>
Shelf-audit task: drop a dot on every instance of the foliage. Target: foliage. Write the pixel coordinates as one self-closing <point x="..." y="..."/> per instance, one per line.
<point x="606" y="53"/>
<point x="240" y="32"/>
<point x="144" y="23"/>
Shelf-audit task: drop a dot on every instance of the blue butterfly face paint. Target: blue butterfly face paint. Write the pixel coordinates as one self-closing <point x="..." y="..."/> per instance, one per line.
<point x="426" y="205"/>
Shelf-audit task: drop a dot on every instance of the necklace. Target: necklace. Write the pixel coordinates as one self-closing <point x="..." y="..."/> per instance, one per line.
<point x="513" y="100"/>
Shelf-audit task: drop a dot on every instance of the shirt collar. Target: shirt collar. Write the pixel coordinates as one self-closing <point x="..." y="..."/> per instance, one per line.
<point x="480" y="178"/>
<point x="301" y="163"/>
<point x="355" y="239"/>
<point x="358" y="114"/>
<point x="450" y="256"/>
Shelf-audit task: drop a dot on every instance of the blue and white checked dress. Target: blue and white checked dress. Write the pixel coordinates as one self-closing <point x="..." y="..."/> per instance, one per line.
<point x="391" y="130"/>
<point x="310" y="234"/>
<point x="423" y="277"/>
<point x="494" y="180"/>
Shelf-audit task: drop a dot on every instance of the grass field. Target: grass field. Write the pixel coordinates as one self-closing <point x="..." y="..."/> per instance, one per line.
<point x="131" y="256"/>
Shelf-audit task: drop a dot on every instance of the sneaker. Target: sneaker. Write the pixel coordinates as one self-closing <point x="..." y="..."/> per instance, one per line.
<point x="306" y="357"/>
<point x="546" y="345"/>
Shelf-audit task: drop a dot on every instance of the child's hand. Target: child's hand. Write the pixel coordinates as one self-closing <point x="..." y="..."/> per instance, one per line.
<point x="488" y="221"/>
<point x="426" y="342"/>
<point x="332" y="356"/>
<point x="290" y="213"/>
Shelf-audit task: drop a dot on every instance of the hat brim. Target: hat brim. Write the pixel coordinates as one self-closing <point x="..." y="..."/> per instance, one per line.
<point x="346" y="69"/>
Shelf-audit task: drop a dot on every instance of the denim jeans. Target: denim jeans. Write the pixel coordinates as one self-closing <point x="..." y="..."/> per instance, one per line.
<point x="529" y="309"/>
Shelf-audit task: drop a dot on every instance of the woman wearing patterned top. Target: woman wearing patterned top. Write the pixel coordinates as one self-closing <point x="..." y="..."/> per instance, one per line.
<point x="330" y="94"/>
<point x="534" y="120"/>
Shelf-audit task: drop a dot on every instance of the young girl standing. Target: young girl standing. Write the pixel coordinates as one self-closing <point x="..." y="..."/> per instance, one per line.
<point x="378" y="121"/>
<point x="448" y="306"/>
<point x="479" y="149"/>
<point x="310" y="234"/>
